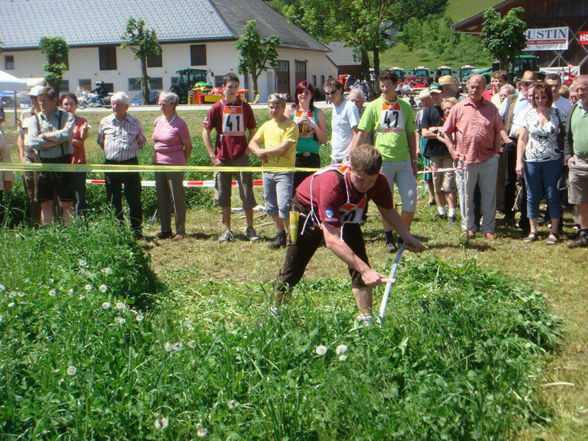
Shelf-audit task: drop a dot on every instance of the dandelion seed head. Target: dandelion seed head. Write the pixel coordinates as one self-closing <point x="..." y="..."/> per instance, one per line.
<point x="107" y="271"/>
<point x="341" y="349"/>
<point x="178" y="346"/>
<point x="161" y="422"/>
<point x="120" y="306"/>
<point x="342" y="357"/>
<point x="52" y="293"/>
<point x="82" y="263"/>
<point x="231" y="404"/>
<point x="88" y="287"/>
<point x="106" y="305"/>
<point x="12" y="294"/>
<point x="321" y="350"/>
<point x="103" y="288"/>
<point x="201" y="432"/>
<point x="192" y="344"/>
<point x="168" y="347"/>
<point x="140" y="317"/>
<point x="72" y="370"/>
<point x="120" y="320"/>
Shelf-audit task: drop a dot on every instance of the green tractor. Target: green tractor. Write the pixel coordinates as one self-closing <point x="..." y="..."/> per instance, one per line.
<point x="422" y="71"/>
<point x="465" y="72"/>
<point x="186" y="80"/>
<point x="399" y="72"/>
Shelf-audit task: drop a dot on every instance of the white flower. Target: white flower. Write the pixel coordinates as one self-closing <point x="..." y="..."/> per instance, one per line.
<point x="103" y="288"/>
<point x="120" y="320"/>
<point x="341" y="349"/>
<point x="140" y="317"/>
<point x="88" y="287"/>
<point x="178" y="346"/>
<point x="201" y="432"/>
<point x="342" y="357"/>
<point x="192" y="344"/>
<point x="161" y="422"/>
<point x="12" y="294"/>
<point x="52" y="293"/>
<point x="168" y="347"/>
<point x="27" y="280"/>
<point x="82" y="263"/>
<point x="2" y="288"/>
<point x="72" y="370"/>
<point x="81" y="297"/>
<point x="321" y="350"/>
<point x="120" y="306"/>
<point x="231" y="404"/>
<point x="20" y="294"/>
<point x="51" y="280"/>
<point x="107" y="271"/>
<point x="10" y="305"/>
<point x="106" y="305"/>
<point x="70" y="291"/>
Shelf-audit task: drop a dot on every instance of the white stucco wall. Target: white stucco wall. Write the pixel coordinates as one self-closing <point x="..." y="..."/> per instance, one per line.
<point x="221" y="57"/>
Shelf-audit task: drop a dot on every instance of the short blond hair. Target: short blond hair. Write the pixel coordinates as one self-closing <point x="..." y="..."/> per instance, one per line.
<point x="276" y="98"/>
<point x="366" y="158"/>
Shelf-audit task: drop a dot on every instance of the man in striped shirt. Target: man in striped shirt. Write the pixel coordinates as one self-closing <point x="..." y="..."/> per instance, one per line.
<point x="121" y="137"/>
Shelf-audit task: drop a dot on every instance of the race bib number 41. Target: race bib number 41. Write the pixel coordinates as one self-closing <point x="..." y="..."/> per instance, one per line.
<point x="392" y="118"/>
<point x="233" y="124"/>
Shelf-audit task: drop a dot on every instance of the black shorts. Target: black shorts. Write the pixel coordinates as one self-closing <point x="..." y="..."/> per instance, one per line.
<point x="60" y="184"/>
<point x="298" y="256"/>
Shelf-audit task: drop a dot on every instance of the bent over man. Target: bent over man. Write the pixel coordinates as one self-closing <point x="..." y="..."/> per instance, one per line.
<point x="330" y="206"/>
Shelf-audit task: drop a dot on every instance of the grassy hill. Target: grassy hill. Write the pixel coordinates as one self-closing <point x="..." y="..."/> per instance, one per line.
<point x="456" y="11"/>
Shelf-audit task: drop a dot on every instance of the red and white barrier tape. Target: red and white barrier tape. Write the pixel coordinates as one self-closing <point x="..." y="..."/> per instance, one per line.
<point x="201" y="184"/>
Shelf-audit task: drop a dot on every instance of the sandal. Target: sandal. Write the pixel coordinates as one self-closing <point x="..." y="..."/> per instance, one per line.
<point x="532" y="237"/>
<point x="552" y="239"/>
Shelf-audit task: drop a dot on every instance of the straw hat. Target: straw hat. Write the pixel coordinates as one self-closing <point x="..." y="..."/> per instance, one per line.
<point x="529" y="77"/>
<point x="424" y="94"/>
<point x="447" y="80"/>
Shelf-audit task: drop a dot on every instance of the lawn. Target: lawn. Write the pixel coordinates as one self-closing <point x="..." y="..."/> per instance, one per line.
<point x="468" y="352"/>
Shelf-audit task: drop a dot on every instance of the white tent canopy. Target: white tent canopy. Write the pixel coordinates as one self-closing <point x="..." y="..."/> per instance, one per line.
<point x="9" y="82"/>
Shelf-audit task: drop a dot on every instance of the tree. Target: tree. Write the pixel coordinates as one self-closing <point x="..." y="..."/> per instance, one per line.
<point x="144" y="44"/>
<point x="364" y="25"/>
<point x="504" y="38"/>
<point x="56" y="50"/>
<point x="256" y="55"/>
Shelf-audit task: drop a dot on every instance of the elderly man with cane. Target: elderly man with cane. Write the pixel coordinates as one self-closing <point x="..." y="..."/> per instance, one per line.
<point x="329" y="205"/>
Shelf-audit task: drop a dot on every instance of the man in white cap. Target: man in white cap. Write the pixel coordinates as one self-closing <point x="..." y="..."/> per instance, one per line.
<point x="27" y="154"/>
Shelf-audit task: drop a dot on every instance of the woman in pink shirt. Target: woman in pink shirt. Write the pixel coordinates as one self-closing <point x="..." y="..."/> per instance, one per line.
<point x="173" y="146"/>
<point x="69" y="103"/>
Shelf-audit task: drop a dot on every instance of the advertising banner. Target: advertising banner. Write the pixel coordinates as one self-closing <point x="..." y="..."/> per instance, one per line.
<point x="583" y="37"/>
<point x="547" y="39"/>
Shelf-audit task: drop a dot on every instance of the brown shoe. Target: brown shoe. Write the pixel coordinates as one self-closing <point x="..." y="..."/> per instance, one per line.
<point x="490" y="236"/>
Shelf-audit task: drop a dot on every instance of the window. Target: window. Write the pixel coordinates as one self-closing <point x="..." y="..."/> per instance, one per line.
<point x="64" y="86"/>
<point x="218" y="80"/>
<point x="198" y="55"/>
<point x="322" y="81"/>
<point x="85" y="84"/>
<point x="107" y="57"/>
<point x="314" y="80"/>
<point x="300" y="67"/>
<point x="154" y="84"/>
<point x="134" y="84"/>
<point x="155" y="61"/>
<point x="8" y="62"/>
<point x="109" y="87"/>
<point x="174" y="81"/>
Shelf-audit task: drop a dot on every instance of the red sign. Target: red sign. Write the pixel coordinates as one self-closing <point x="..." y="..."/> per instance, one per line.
<point x="583" y="37"/>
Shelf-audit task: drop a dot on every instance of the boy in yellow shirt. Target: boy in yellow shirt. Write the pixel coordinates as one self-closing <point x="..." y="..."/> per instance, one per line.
<point x="279" y="136"/>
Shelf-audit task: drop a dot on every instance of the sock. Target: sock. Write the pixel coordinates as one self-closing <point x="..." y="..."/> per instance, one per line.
<point x="451" y="212"/>
<point x="389" y="236"/>
<point x="441" y="210"/>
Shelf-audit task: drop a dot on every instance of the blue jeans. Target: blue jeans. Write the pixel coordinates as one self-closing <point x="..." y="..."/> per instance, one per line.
<point x="539" y="176"/>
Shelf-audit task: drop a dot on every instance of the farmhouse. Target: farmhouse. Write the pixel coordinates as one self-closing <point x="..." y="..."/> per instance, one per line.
<point x="193" y="33"/>
<point x="558" y="30"/>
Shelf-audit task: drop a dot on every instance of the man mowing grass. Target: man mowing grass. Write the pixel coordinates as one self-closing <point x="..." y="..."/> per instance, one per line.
<point x="330" y="206"/>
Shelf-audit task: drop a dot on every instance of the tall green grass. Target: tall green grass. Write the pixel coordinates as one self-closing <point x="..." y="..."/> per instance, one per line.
<point x="92" y="346"/>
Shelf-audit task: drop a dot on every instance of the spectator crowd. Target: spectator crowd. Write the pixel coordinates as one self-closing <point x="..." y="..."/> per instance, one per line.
<point x="496" y="148"/>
